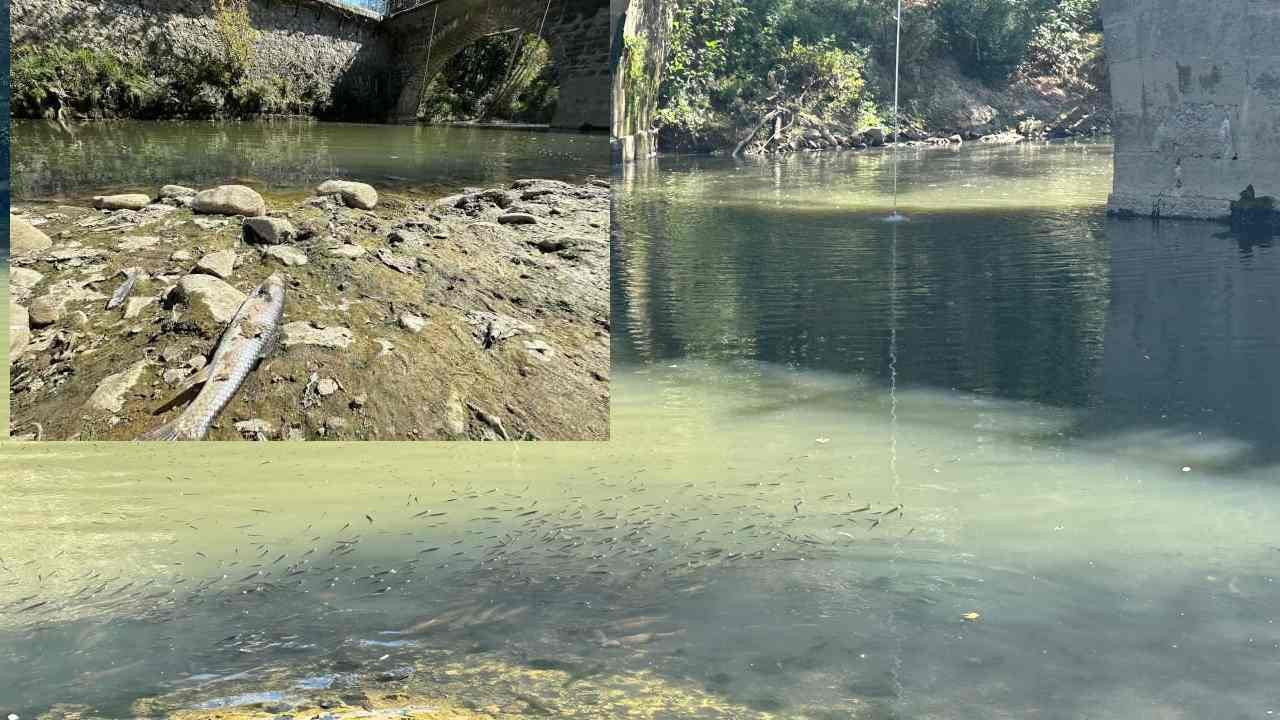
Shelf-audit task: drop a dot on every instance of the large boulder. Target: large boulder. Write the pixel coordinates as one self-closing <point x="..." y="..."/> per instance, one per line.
<point x="229" y="200"/>
<point x="873" y="136"/>
<point x="128" y="201"/>
<point x="19" y="331"/>
<point x="24" y="239"/>
<point x="207" y="295"/>
<point x="354" y="194"/>
<point x="268" y="230"/>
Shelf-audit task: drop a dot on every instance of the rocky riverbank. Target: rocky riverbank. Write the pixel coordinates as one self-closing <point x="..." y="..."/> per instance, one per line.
<point x="482" y="315"/>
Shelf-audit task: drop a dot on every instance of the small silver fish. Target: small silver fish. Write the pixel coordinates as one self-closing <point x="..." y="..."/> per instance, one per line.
<point x="250" y="337"/>
<point x="121" y="294"/>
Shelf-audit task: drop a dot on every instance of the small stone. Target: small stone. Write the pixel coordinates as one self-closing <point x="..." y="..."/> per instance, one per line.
<point x="335" y="423"/>
<point x="229" y="200"/>
<point x="173" y="353"/>
<point x="134" y="307"/>
<point x="182" y="256"/>
<point x="173" y="376"/>
<point x="268" y="230"/>
<point x="128" y="201"/>
<point x="176" y="191"/>
<point x="327" y="387"/>
<point x="600" y="376"/>
<point x="401" y="236"/>
<point x="348" y="251"/>
<point x="24" y="239"/>
<point x="109" y="395"/>
<point x="209" y="223"/>
<point x="133" y="244"/>
<point x="287" y="254"/>
<point x="550" y="245"/>
<point x="206" y="293"/>
<point x="22" y="281"/>
<point x="517" y="218"/>
<point x="413" y="323"/>
<point x="304" y="333"/>
<point x="255" y="428"/>
<point x="354" y="194"/>
<point x="44" y="311"/>
<point x="359" y="401"/>
<point x="197" y="362"/>
<point x="79" y="319"/>
<point x="219" y="264"/>
<point x="19" y="331"/>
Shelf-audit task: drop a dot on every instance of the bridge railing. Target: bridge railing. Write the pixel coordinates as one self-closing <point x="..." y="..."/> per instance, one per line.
<point x="395" y="6"/>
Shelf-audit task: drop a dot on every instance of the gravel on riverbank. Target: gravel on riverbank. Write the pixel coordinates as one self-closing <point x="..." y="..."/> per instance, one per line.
<point x="482" y="315"/>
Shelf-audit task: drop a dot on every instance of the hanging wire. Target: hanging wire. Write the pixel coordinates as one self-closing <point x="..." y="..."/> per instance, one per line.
<point x="897" y="65"/>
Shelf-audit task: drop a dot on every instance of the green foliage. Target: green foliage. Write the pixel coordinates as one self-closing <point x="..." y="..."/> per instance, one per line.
<point x="728" y="57"/>
<point x="496" y="77"/>
<point x="238" y="36"/>
<point x="1067" y="45"/>
<point x="93" y="82"/>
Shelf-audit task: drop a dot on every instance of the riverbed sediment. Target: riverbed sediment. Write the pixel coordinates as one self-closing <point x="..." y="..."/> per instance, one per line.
<point x="480" y="315"/>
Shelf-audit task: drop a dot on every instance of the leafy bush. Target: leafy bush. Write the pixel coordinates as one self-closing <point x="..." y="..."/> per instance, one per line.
<point x="93" y="82"/>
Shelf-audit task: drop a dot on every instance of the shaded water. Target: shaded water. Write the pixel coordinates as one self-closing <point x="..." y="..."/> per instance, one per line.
<point x="1053" y="374"/>
<point x="283" y="155"/>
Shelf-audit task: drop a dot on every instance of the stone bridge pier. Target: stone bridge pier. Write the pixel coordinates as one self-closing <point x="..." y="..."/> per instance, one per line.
<point x="577" y="32"/>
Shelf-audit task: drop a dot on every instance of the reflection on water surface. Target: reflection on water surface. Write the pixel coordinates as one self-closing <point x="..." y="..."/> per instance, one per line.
<point x="1078" y="446"/>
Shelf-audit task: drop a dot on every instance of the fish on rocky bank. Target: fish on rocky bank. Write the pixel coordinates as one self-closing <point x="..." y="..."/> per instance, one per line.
<point x="250" y="337"/>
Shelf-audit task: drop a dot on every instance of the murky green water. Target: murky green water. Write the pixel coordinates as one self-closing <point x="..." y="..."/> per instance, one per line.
<point x="1058" y="421"/>
<point x="283" y="155"/>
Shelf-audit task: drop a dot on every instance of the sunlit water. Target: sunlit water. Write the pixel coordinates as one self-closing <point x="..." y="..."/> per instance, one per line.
<point x="283" y="155"/>
<point x="1060" y="422"/>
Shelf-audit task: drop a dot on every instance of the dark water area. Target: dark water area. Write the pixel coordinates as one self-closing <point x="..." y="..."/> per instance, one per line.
<point x="288" y="155"/>
<point x="1008" y="281"/>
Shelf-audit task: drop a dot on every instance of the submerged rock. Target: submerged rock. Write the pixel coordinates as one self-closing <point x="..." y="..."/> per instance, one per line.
<point x="229" y="200"/>
<point x="24" y="239"/>
<point x="354" y="194"/>
<point x="128" y="201"/>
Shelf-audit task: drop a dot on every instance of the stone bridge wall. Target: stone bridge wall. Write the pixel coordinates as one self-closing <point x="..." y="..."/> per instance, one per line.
<point x="1196" y="90"/>
<point x="334" y="48"/>
<point x="576" y="30"/>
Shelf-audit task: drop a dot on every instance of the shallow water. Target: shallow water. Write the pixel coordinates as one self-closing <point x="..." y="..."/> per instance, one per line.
<point x="1069" y="413"/>
<point x="285" y="155"/>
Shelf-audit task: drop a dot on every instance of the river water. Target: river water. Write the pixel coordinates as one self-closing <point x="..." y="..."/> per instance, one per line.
<point x="285" y="155"/>
<point x="834" y="438"/>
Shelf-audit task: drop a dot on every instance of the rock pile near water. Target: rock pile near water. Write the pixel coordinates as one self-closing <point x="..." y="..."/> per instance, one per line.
<point x="418" y="318"/>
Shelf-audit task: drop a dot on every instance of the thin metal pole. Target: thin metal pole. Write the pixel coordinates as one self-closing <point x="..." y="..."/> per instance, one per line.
<point x="897" y="63"/>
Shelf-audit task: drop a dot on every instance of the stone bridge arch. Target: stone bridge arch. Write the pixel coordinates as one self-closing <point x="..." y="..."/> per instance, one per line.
<point x="577" y="32"/>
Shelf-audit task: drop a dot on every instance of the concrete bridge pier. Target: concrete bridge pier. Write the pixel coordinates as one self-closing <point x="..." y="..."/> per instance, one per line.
<point x="1196" y="92"/>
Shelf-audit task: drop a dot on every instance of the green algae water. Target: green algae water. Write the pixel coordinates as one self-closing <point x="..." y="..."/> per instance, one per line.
<point x="834" y="440"/>
<point x="284" y="155"/>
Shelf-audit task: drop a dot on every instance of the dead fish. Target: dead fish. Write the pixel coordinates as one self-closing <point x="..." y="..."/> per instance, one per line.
<point x="121" y="294"/>
<point x="250" y="337"/>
